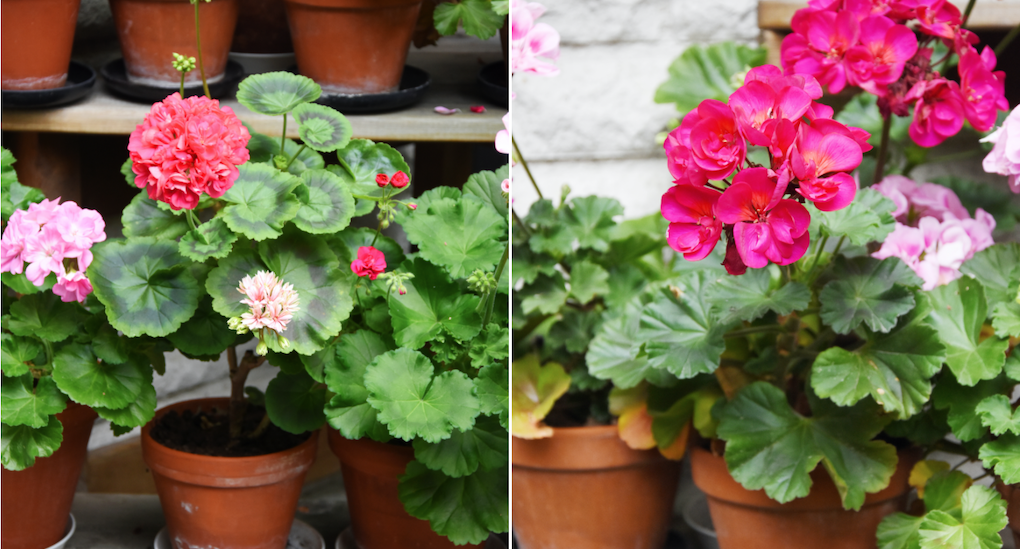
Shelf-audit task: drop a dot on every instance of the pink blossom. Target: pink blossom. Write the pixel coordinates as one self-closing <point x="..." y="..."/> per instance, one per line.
<point x="534" y="45"/>
<point x="271" y="302"/>
<point x="880" y="57"/>
<point x="938" y="113"/>
<point x="818" y="45"/>
<point x="716" y="145"/>
<point x="678" y="158"/>
<point x="370" y="262"/>
<point x="72" y="286"/>
<point x="187" y="147"/>
<point x="503" y="142"/>
<point x="938" y="18"/>
<point x="693" y="228"/>
<point x="445" y="110"/>
<point x="982" y="89"/>
<point x="400" y="180"/>
<point x="916" y="200"/>
<point x="505" y="186"/>
<point x="382" y="179"/>
<point x="935" y="250"/>
<point x="12" y="245"/>
<point x="757" y="107"/>
<point x="41" y="213"/>
<point x="823" y="153"/>
<point x="80" y="227"/>
<point x="1004" y="159"/>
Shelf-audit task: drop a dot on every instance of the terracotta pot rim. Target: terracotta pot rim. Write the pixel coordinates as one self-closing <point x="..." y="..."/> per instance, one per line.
<point x="581" y="431"/>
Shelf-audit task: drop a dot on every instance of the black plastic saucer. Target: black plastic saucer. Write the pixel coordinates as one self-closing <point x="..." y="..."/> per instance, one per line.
<point x="493" y="85"/>
<point x="80" y="79"/>
<point x="413" y="84"/>
<point x="115" y="75"/>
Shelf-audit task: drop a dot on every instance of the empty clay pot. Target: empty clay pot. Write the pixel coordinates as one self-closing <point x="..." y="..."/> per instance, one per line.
<point x="151" y="31"/>
<point x="378" y="519"/>
<point x="745" y="518"/>
<point x="584" y="487"/>
<point x="226" y="501"/>
<point x="37" y="36"/>
<point x="1011" y="493"/>
<point x="352" y="46"/>
<point x="37" y="500"/>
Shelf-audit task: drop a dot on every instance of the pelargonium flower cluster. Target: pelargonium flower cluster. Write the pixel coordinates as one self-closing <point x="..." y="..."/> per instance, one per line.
<point x="868" y="44"/>
<point x="53" y="238"/>
<point x="762" y="209"/>
<point x="934" y="233"/>
<point x="534" y="45"/>
<point x="1004" y="159"/>
<point x="370" y="262"/>
<point x="272" y="304"/>
<point x="186" y="148"/>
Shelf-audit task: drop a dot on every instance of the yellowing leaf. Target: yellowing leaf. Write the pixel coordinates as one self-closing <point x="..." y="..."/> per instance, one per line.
<point x="678" y="448"/>
<point x="923" y="471"/>
<point x="635" y="427"/>
<point x="534" y="390"/>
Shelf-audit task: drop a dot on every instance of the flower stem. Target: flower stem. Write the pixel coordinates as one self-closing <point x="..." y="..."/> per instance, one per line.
<point x="966" y="12"/>
<point x="838" y="245"/>
<point x="190" y="215"/>
<point x="378" y="231"/>
<point x="198" y="44"/>
<point x="818" y="254"/>
<point x="495" y="289"/>
<point x="1006" y="41"/>
<point x="754" y="330"/>
<point x="283" y="136"/>
<point x="521" y="224"/>
<point x="880" y="163"/>
<point x="526" y="168"/>
<point x="293" y="158"/>
<point x="183" y="74"/>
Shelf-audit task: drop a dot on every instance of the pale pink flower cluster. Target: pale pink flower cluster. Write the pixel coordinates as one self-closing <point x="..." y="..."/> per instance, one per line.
<point x="187" y="147"/>
<point x="534" y="45"/>
<point x="934" y="233"/>
<point x="272" y="302"/>
<point x="503" y="142"/>
<point x="1005" y="156"/>
<point x="53" y="238"/>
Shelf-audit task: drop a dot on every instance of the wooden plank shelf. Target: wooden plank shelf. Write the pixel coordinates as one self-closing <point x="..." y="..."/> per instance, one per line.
<point x="987" y="14"/>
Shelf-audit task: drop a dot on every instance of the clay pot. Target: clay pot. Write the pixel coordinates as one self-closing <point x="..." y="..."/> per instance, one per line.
<point x="744" y="518"/>
<point x="262" y="28"/>
<point x="378" y="519"/>
<point x="151" y="31"/>
<point x="1011" y="493"/>
<point x="352" y="46"/>
<point x="584" y="487"/>
<point x="37" y="501"/>
<point x="226" y="501"/>
<point x="37" y="36"/>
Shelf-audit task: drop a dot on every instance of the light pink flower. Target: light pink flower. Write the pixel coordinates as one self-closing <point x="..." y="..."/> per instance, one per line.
<point x="916" y="200"/>
<point x="693" y="228"/>
<point x="503" y="143"/>
<point x="505" y="186"/>
<point x="534" y="46"/>
<point x="445" y="110"/>
<point x="271" y="302"/>
<point x="370" y="262"/>
<point x="1004" y="159"/>
<point x="72" y="286"/>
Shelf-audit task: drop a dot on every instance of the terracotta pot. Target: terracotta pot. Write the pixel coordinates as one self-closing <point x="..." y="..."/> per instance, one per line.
<point x="1011" y="493"/>
<point x="151" y="31"/>
<point x="226" y="502"/>
<point x="36" y="44"/>
<point x="744" y="518"/>
<point x="352" y="46"/>
<point x="584" y="487"/>
<point x="378" y="519"/>
<point x="37" y="500"/>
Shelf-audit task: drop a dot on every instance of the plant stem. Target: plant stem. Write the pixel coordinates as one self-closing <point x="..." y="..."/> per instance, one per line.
<point x="198" y="44"/>
<point x="880" y="164"/>
<point x="283" y="136"/>
<point x="492" y="298"/>
<point x="190" y="215"/>
<point x="521" y="224"/>
<point x="49" y="351"/>
<point x="293" y="158"/>
<point x="238" y="376"/>
<point x="183" y="74"/>
<point x="527" y="170"/>
<point x="818" y="254"/>
<point x="754" y="330"/>
<point x="838" y="245"/>
<point x="966" y="12"/>
<point x="1007" y="40"/>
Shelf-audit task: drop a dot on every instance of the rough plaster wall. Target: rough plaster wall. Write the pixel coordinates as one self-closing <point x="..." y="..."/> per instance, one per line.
<point x="593" y="127"/>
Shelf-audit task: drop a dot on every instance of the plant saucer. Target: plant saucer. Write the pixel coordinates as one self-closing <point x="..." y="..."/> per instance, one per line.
<point x="115" y="76"/>
<point x="302" y="536"/>
<point x="413" y="84"/>
<point x="69" y="532"/>
<point x="80" y="79"/>
<point x="346" y="541"/>
<point x="493" y="84"/>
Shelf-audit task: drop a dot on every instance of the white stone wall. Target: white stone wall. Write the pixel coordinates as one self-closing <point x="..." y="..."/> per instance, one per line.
<point x="593" y="126"/>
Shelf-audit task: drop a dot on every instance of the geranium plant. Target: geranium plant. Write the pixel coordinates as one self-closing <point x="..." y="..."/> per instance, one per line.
<point x="242" y="236"/>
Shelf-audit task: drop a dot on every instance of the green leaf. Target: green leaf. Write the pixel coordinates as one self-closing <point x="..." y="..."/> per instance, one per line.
<point x="294" y="402"/>
<point x="304" y="158"/>
<point x="535" y="389"/>
<point x="588" y="280"/>
<point x="276" y="93"/>
<point x="1004" y="455"/>
<point x="349" y="411"/>
<point x="144" y="217"/>
<point x="493" y="391"/>
<point x="707" y="72"/>
<point x="750" y="296"/>
<point x="25" y="404"/>
<point x="433" y="305"/>
<point x="15" y="354"/>
<point x="867" y="219"/>
<point x="962" y="403"/>
<point x="997" y="414"/>
<point x="488" y="187"/>
<point x="959" y="313"/>
<point x="683" y="336"/>
<point x="615" y="351"/>
<point x="261" y="201"/>
<point x="590" y="219"/>
<point x="867" y="290"/>
<point x="460" y="235"/>
<point x="355" y="420"/>
<point x="893" y="368"/>
<point x="490" y="346"/>
<point x="625" y="282"/>
<point x="19" y="446"/>
<point x="94" y="383"/>
<point x="145" y="285"/>
<point x="206" y="333"/>
<point x="1006" y="319"/>
<point x="211" y="239"/>
<point x="44" y="316"/>
<point x="139" y="412"/>
<point x="527" y="265"/>
<point x="899" y="531"/>
<point x="322" y="128"/>
<point x="478" y="16"/>
<point x="326" y="203"/>
<point x="356" y="237"/>
<point x="15" y="195"/>
<point x="463" y="509"/>
<point x="997" y="268"/>
<point x="484" y="446"/>
<point x="546" y="295"/>
<point x="573" y="331"/>
<point x="944" y="490"/>
<point x="977" y="527"/>
<point x="413" y="403"/>
<point x="770" y="446"/>
<point x="20" y="283"/>
<point x="862" y="112"/>
<point x="1012" y="367"/>
<point x="224" y="280"/>
<point x="364" y="159"/>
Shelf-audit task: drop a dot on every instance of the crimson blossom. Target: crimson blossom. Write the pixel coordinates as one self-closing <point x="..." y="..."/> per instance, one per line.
<point x="761" y="210"/>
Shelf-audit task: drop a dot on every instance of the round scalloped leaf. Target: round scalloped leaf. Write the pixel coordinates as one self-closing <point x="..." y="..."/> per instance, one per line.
<point x="144" y="217"/>
<point x="488" y="187"/>
<point x="294" y="402"/>
<point x="92" y="382"/>
<point x="433" y="304"/>
<point x="355" y="419"/>
<point x="463" y="509"/>
<point x="1004" y="455"/>
<point x="460" y="235"/>
<point x="322" y="128"/>
<point x="145" y="285"/>
<point x="205" y="333"/>
<point x="326" y="203"/>
<point x="261" y="201"/>
<point x="44" y="316"/>
<point x="20" y="283"/>
<point x="276" y="93"/>
<point x="22" y="402"/>
<point x="137" y="413"/>
<point x="364" y="159"/>
<point x="212" y="239"/>
<point x="223" y="281"/>
<point x="16" y="352"/>
<point x="19" y="446"/>
<point x="483" y="446"/>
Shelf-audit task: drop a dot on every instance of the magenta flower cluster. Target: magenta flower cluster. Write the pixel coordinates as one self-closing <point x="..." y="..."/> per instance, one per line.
<point x="186" y="148"/>
<point x="868" y="44"/>
<point x="370" y="262"/>
<point x="53" y="238"/>
<point x="934" y="233"/>
<point x="761" y="210"/>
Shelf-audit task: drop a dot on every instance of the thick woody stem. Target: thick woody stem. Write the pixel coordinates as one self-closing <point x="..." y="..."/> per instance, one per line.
<point x="238" y="377"/>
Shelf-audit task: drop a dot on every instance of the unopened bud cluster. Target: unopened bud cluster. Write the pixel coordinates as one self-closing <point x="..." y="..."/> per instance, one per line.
<point x="183" y="63"/>
<point x="395" y="281"/>
<point x="481" y="282"/>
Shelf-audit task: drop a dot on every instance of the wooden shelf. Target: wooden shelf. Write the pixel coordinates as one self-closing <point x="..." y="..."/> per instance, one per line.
<point x="987" y="14"/>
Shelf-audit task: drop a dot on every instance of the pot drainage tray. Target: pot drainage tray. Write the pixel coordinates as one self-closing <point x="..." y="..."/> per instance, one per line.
<point x="302" y="536"/>
<point x="493" y="84"/>
<point x="115" y="75"/>
<point x="346" y="541"/>
<point x="80" y="79"/>
<point x="413" y="85"/>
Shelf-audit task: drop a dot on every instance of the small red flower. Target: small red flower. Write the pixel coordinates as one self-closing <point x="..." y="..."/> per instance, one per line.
<point x="400" y="180"/>
<point x="478" y="109"/>
<point x="370" y="262"/>
<point x="382" y="180"/>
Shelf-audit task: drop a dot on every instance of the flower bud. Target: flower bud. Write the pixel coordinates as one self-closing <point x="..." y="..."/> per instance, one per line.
<point x="262" y="349"/>
<point x="412" y="206"/>
<point x="284" y="343"/>
<point x="382" y="180"/>
<point x="400" y="180"/>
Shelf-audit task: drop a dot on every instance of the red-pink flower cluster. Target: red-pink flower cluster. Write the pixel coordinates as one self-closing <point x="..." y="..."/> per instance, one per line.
<point x="370" y="262"/>
<point x="761" y="210"/>
<point x="868" y="44"/>
<point x="53" y="238"/>
<point x="187" y="147"/>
